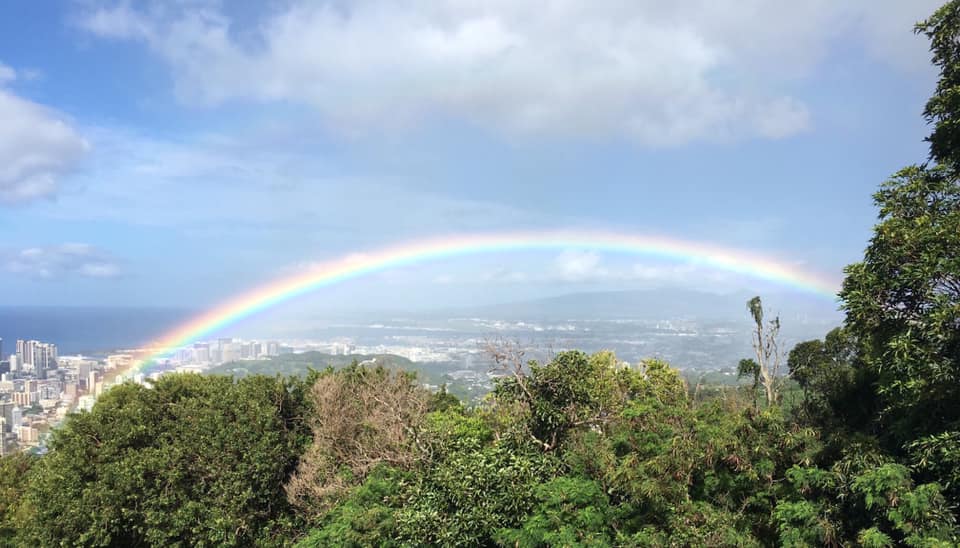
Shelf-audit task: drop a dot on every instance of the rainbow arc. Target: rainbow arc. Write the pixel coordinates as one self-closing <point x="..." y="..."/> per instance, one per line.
<point x="357" y="265"/>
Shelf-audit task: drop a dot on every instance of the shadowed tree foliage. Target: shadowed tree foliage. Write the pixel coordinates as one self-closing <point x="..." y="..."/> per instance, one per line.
<point x="14" y="470"/>
<point x="903" y="301"/>
<point x="838" y="391"/>
<point x="193" y="460"/>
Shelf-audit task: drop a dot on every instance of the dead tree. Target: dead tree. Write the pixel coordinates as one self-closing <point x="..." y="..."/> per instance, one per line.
<point x="362" y="417"/>
<point x="766" y="346"/>
<point x="508" y="361"/>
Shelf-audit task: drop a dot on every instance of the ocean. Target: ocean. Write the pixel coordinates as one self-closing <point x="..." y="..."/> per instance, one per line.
<point x="86" y="330"/>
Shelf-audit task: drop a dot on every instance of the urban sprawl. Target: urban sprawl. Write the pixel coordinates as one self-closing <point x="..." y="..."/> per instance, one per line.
<point x="38" y="387"/>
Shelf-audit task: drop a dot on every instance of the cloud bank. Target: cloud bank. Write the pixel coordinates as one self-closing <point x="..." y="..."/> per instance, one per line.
<point x="37" y="146"/>
<point x="660" y="74"/>
<point x="58" y="261"/>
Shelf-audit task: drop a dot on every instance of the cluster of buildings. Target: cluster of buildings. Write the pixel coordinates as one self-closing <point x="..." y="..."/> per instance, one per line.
<point x="199" y="356"/>
<point x="226" y="350"/>
<point x="32" y="357"/>
<point x="38" y="387"/>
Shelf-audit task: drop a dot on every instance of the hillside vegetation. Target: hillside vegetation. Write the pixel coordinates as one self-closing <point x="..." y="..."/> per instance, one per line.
<point x="578" y="451"/>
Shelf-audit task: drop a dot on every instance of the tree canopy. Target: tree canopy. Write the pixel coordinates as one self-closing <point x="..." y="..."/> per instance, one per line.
<point x="193" y="460"/>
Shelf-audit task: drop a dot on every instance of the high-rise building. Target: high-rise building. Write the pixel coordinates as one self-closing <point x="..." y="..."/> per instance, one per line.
<point x="16" y="417"/>
<point x="183" y="355"/>
<point x="50" y="390"/>
<point x="28" y="434"/>
<point x="42" y="356"/>
<point x="25" y="399"/>
<point x="223" y="353"/>
<point x="119" y="361"/>
<point x="83" y="369"/>
<point x="6" y="413"/>
<point x="201" y="353"/>
<point x="92" y="383"/>
<point x="230" y="352"/>
<point x="24" y="352"/>
<point x="39" y="355"/>
<point x="273" y="348"/>
<point x="47" y="355"/>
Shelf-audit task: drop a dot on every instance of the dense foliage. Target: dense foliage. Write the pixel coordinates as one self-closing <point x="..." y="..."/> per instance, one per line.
<point x="584" y="450"/>
<point x="580" y="451"/>
<point x="191" y="461"/>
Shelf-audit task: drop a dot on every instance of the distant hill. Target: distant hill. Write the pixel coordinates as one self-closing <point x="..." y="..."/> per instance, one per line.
<point x="657" y="304"/>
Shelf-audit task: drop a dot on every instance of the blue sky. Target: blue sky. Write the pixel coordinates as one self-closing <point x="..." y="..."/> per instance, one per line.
<point x="175" y="153"/>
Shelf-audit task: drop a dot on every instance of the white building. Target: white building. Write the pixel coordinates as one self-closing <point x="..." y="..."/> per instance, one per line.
<point x="42" y="355"/>
<point x="85" y="403"/>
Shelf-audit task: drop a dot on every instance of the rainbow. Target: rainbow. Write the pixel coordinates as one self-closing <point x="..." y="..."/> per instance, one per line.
<point x="357" y="265"/>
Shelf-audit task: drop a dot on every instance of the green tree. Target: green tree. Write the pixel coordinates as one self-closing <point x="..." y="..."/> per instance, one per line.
<point x="469" y="494"/>
<point x="903" y="300"/>
<point x="570" y="511"/>
<point x="750" y="368"/>
<point x="914" y="516"/>
<point x="367" y="517"/>
<point x="14" y="478"/>
<point x="838" y="392"/>
<point x="571" y="391"/>
<point x="193" y="460"/>
<point x="943" y="108"/>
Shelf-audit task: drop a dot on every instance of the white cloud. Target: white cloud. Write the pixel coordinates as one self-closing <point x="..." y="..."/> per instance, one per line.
<point x="63" y="260"/>
<point x="444" y="279"/>
<point x="257" y="183"/>
<point x="577" y="266"/>
<point x="588" y="267"/>
<point x="886" y="36"/>
<point x="507" y="275"/>
<point x="7" y="74"/>
<point x="118" y="22"/>
<point x="660" y="73"/>
<point x="37" y="146"/>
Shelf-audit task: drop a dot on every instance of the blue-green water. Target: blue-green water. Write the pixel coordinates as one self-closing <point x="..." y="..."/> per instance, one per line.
<point x="85" y="329"/>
